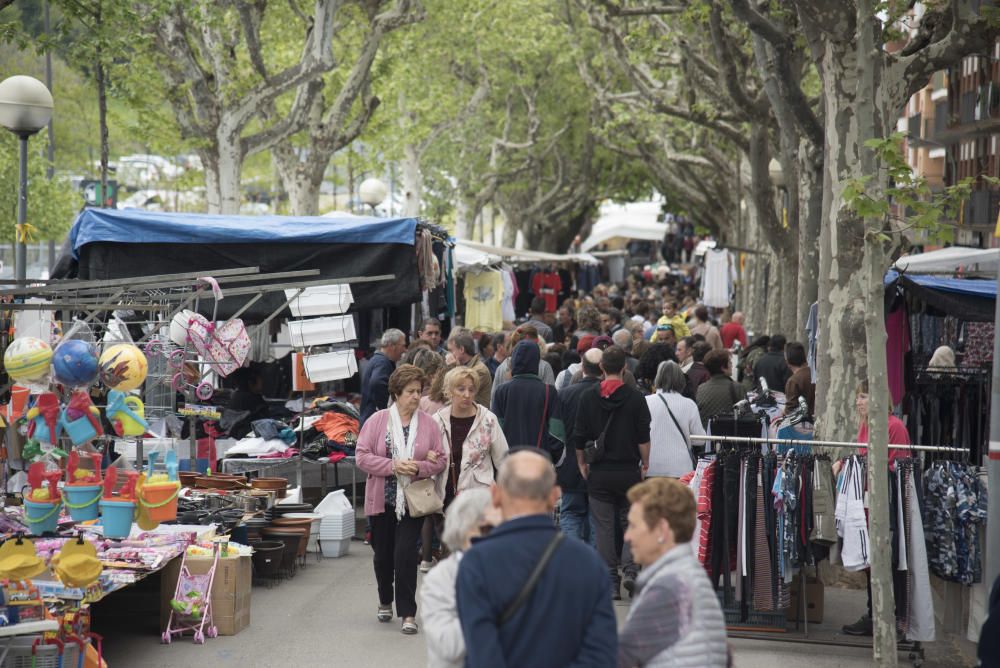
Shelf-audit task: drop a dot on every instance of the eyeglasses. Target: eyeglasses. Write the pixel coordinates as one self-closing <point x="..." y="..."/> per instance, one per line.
<point x="485" y="529"/>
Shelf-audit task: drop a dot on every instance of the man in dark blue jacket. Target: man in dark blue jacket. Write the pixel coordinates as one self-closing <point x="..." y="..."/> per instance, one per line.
<point x="529" y="411"/>
<point x="375" y="379"/>
<point x="567" y="620"/>
<point x="574" y="511"/>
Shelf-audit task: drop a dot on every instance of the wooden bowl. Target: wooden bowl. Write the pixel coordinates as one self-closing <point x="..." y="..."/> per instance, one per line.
<point x="278" y="485"/>
<point x="305" y="523"/>
<point x="188" y="478"/>
<point x="215" y="482"/>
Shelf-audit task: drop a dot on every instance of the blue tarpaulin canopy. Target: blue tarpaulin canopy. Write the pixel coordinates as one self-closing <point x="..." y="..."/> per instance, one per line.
<point x="967" y="298"/>
<point x="963" y="286"/>
<point x="145" y="227"/>
<point x="116" y="244"/>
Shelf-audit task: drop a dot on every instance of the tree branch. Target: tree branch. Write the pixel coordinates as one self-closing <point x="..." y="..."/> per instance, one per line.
<point x="759" y="23"/>
<point x="970" y="33"/>
<point x="654" y="10"/>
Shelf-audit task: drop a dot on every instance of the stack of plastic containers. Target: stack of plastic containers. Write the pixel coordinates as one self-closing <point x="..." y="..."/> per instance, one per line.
<point x="337" y="526"/>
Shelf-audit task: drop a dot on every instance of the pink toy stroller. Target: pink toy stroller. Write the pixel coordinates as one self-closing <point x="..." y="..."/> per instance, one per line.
<point x="191" y="608"/>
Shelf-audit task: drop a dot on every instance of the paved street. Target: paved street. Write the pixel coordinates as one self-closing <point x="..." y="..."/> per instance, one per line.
<point x="328" y="610"/>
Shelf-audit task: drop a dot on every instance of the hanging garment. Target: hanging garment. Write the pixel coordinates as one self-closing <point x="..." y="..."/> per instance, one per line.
<point x="978" y="344"/>
<point x="921" y="603"/>
<point x="693" y="481"/>
<point x="823" y="506"/>
<point x="762" y="596"/>
<point x="812" y="332"/>
<point x="852" y="524"/>
<point x="942" y="521"/>
<point x="705" y="514"/>
<point x="899" y="522"/>
<point x="547" y="284"/>
<point x="483" y="293"/>
<point x="616" y="268"/>
<point x="897" y="344"/>
<point x="509" y="295"/>
<point x="717" y="282"/>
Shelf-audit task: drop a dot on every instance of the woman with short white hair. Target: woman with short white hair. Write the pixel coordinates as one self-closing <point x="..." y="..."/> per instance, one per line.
<point x="471" y="515"/>
<point x="674" y="419"/>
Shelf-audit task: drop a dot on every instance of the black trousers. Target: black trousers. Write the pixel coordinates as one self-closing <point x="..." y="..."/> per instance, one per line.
<point x="609" y="505"/>
<point x="396" y="559"/>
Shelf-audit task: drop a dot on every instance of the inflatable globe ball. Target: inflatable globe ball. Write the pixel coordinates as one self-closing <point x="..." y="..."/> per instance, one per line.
<point x="74" y="363"/>
<point x="27" y="359"/>
<point x="123" y="367"/>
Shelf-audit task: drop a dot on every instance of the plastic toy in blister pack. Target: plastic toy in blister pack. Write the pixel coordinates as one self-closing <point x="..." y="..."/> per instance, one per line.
<point x="127" y="413"/>
<point x="43" y="419"/>
<point x="80" y="419"/>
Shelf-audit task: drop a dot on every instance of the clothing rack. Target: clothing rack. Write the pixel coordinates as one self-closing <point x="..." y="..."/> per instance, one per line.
<point x="822" y="444"/>
<point x="914" y="649"/>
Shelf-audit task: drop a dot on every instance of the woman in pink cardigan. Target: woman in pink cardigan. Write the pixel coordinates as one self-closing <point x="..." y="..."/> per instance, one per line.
<point x="396" y="446"/>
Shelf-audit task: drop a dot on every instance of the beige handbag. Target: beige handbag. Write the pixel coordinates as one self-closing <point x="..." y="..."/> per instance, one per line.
<point x="422" y="498"/>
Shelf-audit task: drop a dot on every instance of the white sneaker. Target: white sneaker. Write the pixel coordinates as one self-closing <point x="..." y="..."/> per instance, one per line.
<point x="427" y="565"/>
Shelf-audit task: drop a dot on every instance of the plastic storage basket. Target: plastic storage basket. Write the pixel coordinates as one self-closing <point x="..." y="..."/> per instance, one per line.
<point x="320" y="300"/>
<point x="330" y="366"/>
<point x="45" y="656"/>
<point x="319" y="331"/>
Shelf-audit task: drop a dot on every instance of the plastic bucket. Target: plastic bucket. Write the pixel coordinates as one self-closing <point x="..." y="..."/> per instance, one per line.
<point x="42" y="517"/>
<point x="267" y="558"/>
<point x="117" y="518"/>
<point x="82" y="501"/>
<point x="160" y="501"/>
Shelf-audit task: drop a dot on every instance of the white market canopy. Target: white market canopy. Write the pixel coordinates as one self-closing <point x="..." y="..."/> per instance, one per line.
<point x="472" y="254"/>
<point x="950" y="260"/>
<point x="620" y="223"/>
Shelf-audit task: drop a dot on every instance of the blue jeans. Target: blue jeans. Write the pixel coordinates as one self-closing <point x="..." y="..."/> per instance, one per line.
<point x="574" y="517"/>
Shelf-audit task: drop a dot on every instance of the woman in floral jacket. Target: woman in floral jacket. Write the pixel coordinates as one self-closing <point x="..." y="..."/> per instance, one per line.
<point x="473" y="439"/>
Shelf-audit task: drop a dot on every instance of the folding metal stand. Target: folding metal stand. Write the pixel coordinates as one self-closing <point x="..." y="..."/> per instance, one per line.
<point x="914" y="648"/>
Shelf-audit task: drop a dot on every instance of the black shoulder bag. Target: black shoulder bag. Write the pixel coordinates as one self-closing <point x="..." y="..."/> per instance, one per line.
<point x="593" y="451"/>
<point x="694" y="460"/>
<point x="529" y="586"/>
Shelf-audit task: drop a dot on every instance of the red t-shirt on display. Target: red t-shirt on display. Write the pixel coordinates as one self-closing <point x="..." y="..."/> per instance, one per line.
<point x="547" y="286"/>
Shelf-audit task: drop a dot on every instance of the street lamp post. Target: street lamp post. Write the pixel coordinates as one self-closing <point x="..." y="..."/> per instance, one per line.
<point x="372" y="192"/>
<point x="25" y="108"/>
<point x="777" y="176"/>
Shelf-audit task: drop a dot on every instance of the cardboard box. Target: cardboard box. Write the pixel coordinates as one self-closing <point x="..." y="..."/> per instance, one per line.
<point x="230" y="591"/>
<point x="814" y="601"/>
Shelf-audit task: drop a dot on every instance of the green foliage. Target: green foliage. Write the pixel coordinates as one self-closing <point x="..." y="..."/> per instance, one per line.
<point x="907" y="202"/>
<point x="52" y="205"/>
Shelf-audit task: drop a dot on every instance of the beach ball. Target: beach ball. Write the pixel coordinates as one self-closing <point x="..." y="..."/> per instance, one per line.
<point x="74" y="363"/>
<point x="123" y="367"/>
<point x="27" y="359"/>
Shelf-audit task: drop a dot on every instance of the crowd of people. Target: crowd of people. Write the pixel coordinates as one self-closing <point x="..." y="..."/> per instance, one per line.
<point x="585" y="414"/>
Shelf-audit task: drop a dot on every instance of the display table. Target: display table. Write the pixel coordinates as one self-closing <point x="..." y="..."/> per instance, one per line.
<point x="314" y="474"/>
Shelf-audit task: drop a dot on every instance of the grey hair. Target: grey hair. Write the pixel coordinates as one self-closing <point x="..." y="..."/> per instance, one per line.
<point x="519" y="486"/>
<point x="623" y="339"/>
<point x="463" y="515"/>
<point x="670" y="377"/>
<point x="392" y="336"/>
<point x="465" y="342"/>
<point x="427" y="361"/>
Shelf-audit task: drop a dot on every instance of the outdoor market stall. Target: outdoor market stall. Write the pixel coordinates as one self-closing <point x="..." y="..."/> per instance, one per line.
<point x="940" y="310"/>
<point x="109" y="369"/>
<point x="498" y="283"/>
